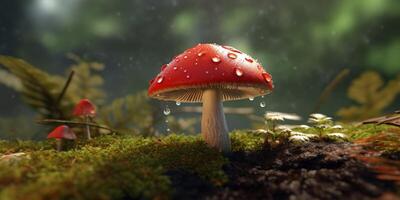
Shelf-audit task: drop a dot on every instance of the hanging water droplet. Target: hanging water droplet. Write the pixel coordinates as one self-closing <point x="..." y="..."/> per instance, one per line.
<point x="216" y="59"/>
<point x="187" y="76"/>
<point x="262" y="96"/>
<point x="160" y="79"/>
<point x="201" y="54"/>
<point x="251" y="98"/>
<point x="262" y="104"/>
<point x="168" y="130"/>
<point x="175" y="68"/>
<point x="249" y="60"/>
<point x="166" y="121"/>
<point x="238" y="72"/>
<point x="167" y="111"/>
<point x="232" y="56"/>
<point x="178" y="103"/>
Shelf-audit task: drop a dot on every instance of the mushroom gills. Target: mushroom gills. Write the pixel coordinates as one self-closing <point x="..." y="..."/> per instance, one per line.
<point x="213" y="124"/>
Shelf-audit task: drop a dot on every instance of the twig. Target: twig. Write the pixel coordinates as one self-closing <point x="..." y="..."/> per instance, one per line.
<point x="66" y="85"/>
<point x="227" y="110"/>
<point x="47" y="121"/>
<point x="329" y="89"/>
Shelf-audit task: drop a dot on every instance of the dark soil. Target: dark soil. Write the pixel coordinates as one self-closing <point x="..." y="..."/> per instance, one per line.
<point x="309" y="171"/>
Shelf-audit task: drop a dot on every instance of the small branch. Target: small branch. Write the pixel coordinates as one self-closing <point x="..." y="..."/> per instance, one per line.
<point x="66" y="85"/>
<point x="57" y="121"/>
<point x="329" y="89"/>
<point x="227" y="110"/>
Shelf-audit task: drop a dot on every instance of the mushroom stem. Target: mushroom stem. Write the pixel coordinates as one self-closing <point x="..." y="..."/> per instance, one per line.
<point x="59" y="144"/>
<point x="213" y="124"/>
<point x="88" y="128"/>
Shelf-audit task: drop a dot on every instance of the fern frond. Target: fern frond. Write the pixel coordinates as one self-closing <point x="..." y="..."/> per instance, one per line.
<point x="39" y="89"/>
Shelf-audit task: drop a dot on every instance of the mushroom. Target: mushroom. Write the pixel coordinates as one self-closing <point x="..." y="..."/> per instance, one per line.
<point x="61" y="132"/>
<point x="211" y="74"/>
<point x="87" y="110"/>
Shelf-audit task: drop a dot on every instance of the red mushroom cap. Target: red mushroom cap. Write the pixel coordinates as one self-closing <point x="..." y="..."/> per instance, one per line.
<point x="62" y="132"/>
<point x="205" y="66"/>
<point x="85" y="108"/>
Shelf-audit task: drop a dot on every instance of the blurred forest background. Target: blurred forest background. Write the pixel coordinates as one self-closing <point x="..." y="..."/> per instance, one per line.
<point x="303" y="44"/>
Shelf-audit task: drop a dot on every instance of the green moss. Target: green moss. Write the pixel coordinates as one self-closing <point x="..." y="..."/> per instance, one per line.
<point x="107" y="167"/>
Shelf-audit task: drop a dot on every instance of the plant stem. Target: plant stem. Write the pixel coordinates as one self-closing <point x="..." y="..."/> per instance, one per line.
<point x="59" y="144"/>
<point x="66" y="85"/>
<point x="88" y="128"/>
<point x="213" y="124"/>
<point x="47" y="121"/>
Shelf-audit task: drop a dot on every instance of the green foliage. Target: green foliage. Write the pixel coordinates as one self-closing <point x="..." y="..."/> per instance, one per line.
<point x="371" y="95"/>
<point x="39" y="89"/>
<point x="132" y="113"/>
<point x="87" y="82"/>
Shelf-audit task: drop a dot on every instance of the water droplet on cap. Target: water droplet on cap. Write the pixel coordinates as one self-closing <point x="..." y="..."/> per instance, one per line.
<point x="267" y="77"/>
<point x="201" y="54"/>
<point x="249" y="60"/>
<point x="184" y="57"/>
<point x="187" y="76"/>
<point x="232" y="56"/>
<point x="175" y="68"/>
<point x="160" y="79"/>
<point x="185" y="70"/>
<point x="238" y="72"/>
<point x="216" y="59"/>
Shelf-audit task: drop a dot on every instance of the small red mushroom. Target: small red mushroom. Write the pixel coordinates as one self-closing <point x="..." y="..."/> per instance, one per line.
<point x="61" y="132"/>
<point x="87" y="110"/>
<point x="211" y="74"/>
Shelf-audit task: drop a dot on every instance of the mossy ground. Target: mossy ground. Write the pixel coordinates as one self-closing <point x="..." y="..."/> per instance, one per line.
<point x="120" y="167"/>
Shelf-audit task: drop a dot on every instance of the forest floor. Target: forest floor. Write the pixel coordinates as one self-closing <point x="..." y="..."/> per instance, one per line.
<point x="183" y="167"/>
<point x="305" y="171"/>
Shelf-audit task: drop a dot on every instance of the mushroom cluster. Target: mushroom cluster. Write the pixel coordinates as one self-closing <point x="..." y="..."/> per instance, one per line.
<point x="83" y="109"/>
<point x="211" y="74"/>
